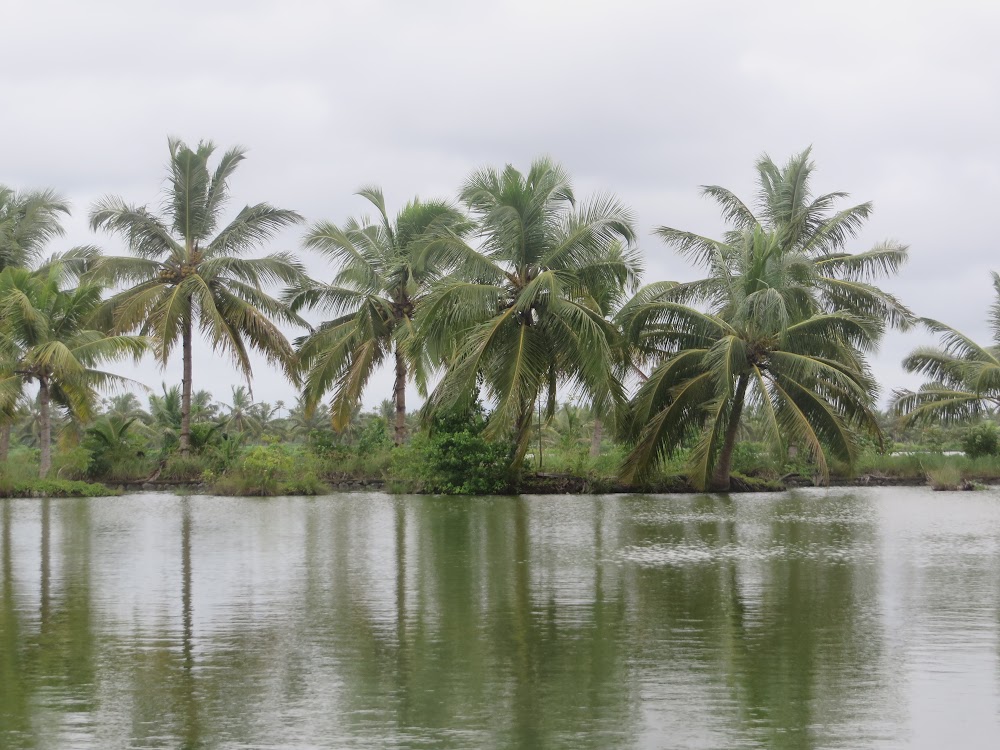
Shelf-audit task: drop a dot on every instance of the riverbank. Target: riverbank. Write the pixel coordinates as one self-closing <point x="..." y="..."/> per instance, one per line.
<point x="533" y="484"/>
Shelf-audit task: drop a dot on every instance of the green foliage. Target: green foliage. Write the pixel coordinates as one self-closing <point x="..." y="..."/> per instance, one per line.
<point x="52" y="488"/>
<point x="454" y="459"/>
<point x="947" y="477"/>
<point x="981" y="440"/>
<point x="73" y="463"/>
<point x="184" y="468"/>
<point x="782" y="323"/>
<point x="187" y="266"/>
<point x="525" y="310"/>
<point x="264" y="467"/>
<point x="305" y="483"/>
<point x="116" y="450"/>
<point x="377" y="289"/>
<point x="374" y="437"/>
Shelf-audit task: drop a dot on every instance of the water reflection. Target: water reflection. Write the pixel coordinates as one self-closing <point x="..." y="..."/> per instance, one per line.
<point x="807" y="620"/>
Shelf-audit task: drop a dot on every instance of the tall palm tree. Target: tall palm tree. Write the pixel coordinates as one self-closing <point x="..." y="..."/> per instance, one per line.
<point x="46" y="339"/>
<point x="790" y="314"/>
<point x="187" y="272"/>
<point x="963" y="376"/>
<point x="28" y="220"/>
<point x="523" y="312"/>
<point x="374" y="296"/>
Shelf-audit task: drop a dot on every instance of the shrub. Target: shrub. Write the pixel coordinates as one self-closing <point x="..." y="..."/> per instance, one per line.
<point x="981" y="440"/>
<point x="454" y="459"/>
<point x="264" y="468"/>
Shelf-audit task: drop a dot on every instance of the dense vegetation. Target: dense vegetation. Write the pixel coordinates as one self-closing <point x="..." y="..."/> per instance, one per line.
<point x="519" y="314"/>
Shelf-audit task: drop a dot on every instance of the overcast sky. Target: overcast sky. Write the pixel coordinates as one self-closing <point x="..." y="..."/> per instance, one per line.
<point x="648" y="100"/>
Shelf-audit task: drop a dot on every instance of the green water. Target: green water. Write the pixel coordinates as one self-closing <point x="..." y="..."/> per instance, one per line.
<point x="817" y="619"/>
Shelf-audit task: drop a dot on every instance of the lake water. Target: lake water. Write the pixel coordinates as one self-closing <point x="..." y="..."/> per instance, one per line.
<point x="811" y="619"/>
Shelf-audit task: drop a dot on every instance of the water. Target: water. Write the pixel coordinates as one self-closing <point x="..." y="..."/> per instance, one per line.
<point x="814" y="619"/>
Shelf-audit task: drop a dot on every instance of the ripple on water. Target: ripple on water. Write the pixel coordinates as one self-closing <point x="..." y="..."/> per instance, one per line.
<point x="695" y="553"/>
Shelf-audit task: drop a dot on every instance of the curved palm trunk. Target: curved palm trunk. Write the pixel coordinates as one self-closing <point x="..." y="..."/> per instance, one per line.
<point x="185" y="437"/>
<point x="724" y="466"/>
<point x="44" y="428"/>
<point x="399" y="395"/>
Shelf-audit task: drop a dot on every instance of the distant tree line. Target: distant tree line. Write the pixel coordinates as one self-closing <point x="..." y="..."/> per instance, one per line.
<point x="521" y="301"/>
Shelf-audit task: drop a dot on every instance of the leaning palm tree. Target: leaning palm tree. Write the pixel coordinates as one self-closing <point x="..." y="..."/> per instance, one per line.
<point x="374" y="296"/>
<point x="788" y="315"/>
<point x="46" y="339"/>
<point x="764" y="341"/>
<point x="963" y="376"/>
<point x="187" y="272"/>
<point x="523" y="312"/>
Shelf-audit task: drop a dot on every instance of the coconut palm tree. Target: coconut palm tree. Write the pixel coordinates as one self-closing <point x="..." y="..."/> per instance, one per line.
<point x="523" y="312"/>
<point x="373" y="296"/>
<point x="790" y="315"/>
<point x="963" y="376"/>
<point x="46" y="339"/>
<point x="28" y="220"/>
<point x="125" y="407"/>
<point x="188" y="272"/>
<point x="240" y="413"/>
<point x="764" y="341"/>
<point x="801" y="223"/>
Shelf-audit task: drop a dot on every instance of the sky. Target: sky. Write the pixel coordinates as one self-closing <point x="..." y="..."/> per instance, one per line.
<point x="647" y="100"/>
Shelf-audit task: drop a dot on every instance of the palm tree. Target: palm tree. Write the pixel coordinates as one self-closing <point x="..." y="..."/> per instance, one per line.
<point x="523" y="313"/>
<point x="964" y="377"/>
<point x="302" y="421"/>
<point x="28" y="220"/>
<point x="374" y="296"/>
<point x="46" y="339"/>
<point x="125" y="407"/>
<point x="240" y="414"/>
<point x="790" y="315"/>
<point x="183" y="276"/>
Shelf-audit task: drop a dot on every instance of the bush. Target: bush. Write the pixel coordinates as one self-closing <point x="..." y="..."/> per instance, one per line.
<point x="454" y="459"/>
<point x="264" y="468"/>
<point x="981" y="440"/>
<point x="70" y="464"/>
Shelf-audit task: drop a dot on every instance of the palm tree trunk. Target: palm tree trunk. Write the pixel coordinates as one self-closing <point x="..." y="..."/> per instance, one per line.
<point x="185" y="438"/>
<point x="45" y="428"/>
<point x="4" y="441"/>
<point x="720" y="479"/>
<point x="596" y="437"/>
<point x="399" y="394"/>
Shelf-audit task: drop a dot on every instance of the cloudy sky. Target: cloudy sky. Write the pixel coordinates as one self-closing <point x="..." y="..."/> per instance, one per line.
<point x="648" y="100"/>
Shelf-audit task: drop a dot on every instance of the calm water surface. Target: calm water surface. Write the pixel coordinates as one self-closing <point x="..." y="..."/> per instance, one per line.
<point x="815" y="619"/>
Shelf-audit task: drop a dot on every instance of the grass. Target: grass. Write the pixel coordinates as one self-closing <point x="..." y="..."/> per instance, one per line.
<point x="945" y="478"/>
<point x="52" y="488"/>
